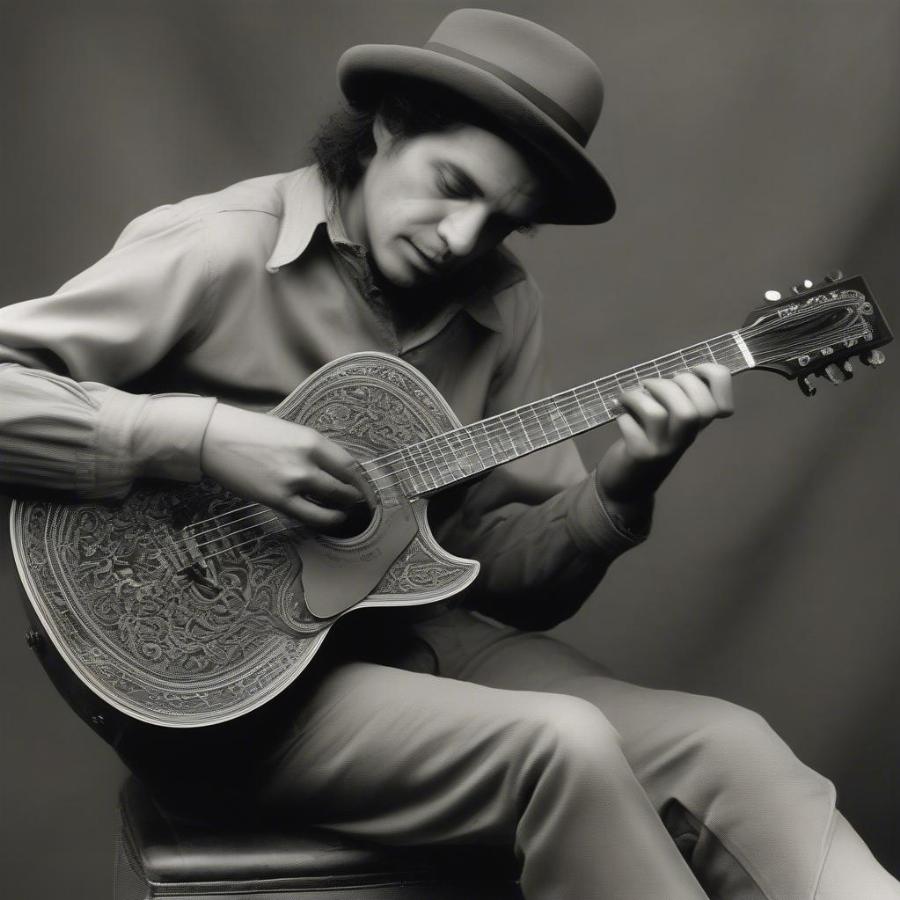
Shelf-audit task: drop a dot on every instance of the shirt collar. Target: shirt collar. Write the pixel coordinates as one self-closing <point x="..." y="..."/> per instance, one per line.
<point x="303" y="209"/>
<point x="307" y="203"/>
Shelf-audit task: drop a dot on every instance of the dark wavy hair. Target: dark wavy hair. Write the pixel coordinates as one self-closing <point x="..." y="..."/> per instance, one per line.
<point x="409" y="109"/>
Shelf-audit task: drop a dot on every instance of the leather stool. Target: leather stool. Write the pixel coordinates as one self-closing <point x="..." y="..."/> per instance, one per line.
<point x="161" y="854"/>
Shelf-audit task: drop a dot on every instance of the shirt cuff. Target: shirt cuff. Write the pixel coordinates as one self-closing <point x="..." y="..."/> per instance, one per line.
<point x="594" y="527"/>
<point x="157" y="436"/>
<point x="169" y="433"/>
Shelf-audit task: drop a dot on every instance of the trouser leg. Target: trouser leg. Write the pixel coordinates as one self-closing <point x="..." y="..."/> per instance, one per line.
<point x="402" y="757"/>
<point x="752" y="819"/>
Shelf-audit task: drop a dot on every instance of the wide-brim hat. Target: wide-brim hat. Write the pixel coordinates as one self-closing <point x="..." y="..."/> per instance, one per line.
<point x="540" y="88"/>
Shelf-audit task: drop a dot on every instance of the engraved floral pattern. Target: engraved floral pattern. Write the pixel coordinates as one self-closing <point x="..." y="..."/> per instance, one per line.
<point x="184" y="620"/>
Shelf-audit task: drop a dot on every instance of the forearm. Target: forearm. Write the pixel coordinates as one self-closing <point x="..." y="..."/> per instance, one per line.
<point x="93" y="440"/>
<point x="540" y="562"/>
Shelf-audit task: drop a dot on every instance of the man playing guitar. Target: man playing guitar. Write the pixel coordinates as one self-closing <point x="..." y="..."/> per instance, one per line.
<point x="161" y="360"/>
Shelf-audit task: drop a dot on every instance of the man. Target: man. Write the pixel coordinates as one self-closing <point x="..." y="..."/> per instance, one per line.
<point x="393" y="242"/>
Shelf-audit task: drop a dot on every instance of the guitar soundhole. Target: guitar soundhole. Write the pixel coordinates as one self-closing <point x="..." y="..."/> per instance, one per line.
<point x="359" y="517"/>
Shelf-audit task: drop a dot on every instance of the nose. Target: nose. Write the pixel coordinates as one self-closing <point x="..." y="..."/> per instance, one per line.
<point x="461" y="228"/>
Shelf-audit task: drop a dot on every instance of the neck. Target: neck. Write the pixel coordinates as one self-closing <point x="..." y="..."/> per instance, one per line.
<point x="470" y="450"/>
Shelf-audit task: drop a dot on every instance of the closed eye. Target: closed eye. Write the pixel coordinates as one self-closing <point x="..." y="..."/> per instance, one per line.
<point x="453" y="183"/>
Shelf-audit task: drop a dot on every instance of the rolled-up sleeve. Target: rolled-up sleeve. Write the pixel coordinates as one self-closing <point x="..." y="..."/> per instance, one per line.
<point x="538" y="526"/>
<point x="64" y="425"/>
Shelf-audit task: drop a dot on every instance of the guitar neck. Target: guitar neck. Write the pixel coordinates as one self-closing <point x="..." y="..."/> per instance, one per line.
<point x="463" y="453"/>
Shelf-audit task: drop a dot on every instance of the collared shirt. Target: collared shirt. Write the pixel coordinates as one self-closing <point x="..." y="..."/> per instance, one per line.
<point x="237" y="297"/>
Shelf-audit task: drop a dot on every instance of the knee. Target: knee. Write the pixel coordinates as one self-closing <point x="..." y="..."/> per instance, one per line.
<point x="733" y="739"/>
<point x="575" y="733"/>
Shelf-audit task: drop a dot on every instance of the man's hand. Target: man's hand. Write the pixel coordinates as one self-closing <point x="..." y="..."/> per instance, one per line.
<point x="659" y="423"/>
<point x="286" y="466"/>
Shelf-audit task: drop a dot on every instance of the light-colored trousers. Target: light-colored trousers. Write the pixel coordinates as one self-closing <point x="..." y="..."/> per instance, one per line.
<point x="606" y="790"/>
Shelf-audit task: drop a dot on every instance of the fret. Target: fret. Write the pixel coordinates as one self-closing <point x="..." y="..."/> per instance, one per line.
<point x="535" y="410"/>
<point x="432" y="462"/>
<point x="524" y="430"/>
<point x="504" y="439"/>
<point x="473" y="445"/>
<point x="672" y="364"/>
<point x="596" y="386"/>
<point x="486" y="441"/>
<point x="513" y="427"/>
<point x="693" y="356"/>
<point x="461" y="452"/>
<point x="560" y="422"/>
<point x="580" y="408"/>
<point x="632" y="382"/>
<point x="652" y="371"/>
<point x="415" y="470"/>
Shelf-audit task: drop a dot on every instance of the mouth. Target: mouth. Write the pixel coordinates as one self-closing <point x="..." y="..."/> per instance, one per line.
<point x="429" y="263"/>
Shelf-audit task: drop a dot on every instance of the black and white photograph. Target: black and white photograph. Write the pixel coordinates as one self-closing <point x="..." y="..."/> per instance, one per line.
<point x="320" y="576"/>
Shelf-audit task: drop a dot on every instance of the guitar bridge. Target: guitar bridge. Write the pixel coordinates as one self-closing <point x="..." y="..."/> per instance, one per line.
<point x="198" y="573"/>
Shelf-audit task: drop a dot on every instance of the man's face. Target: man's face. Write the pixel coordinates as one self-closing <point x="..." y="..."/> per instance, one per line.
<point x="429" y="205"/>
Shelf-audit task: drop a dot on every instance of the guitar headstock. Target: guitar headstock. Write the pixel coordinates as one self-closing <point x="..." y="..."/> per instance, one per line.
<point x="816" y="330"/>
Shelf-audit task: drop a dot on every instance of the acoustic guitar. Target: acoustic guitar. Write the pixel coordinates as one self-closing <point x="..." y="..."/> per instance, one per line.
<point x="186" y="606"/>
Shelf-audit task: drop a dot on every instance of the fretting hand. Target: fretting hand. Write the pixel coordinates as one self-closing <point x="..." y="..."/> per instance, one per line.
<point x="659" y="423"/>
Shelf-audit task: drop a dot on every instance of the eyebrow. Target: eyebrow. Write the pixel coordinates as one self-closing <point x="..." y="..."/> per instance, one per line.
<point x="469" y="184"/>
<point x="466" y="181"/>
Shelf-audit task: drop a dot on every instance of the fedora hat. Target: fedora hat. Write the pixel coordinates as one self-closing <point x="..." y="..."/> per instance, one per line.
<point x="538" y="86"/>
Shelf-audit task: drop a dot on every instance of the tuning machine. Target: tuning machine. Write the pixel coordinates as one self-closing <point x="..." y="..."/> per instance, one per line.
<point x="806" y="385"/>
<point x="838" y="374"/>
<point x="872" y="358"/>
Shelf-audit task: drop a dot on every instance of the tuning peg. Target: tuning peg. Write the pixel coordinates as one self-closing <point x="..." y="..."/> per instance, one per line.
<point x="847" y="367"/>
<point x="806" y="385"/>
<point x="804" y="285"/>
<point x="834" y="373"/>
<point x="834" y="275"/>
<point x="772" y="296"/>
<point x="872" y="358"/>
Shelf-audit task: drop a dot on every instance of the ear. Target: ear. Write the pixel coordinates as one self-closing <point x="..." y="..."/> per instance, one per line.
<point x="381" y="134"/>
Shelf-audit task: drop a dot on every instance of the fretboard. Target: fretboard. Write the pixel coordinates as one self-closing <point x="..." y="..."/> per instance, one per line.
<point x="454" y="456"/>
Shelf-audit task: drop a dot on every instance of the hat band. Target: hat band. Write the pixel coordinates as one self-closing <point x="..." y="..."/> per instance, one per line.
<point x="549" y="107"/>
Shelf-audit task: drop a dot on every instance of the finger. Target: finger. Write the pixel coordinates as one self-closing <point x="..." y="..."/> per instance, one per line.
<point x="719" y="380"/>
<point x="683" y="420"/>
<point x="322" y="487"/>
<point x="635" y="437"/>
<point x="647" y="412"/>
<point x="311" y="514"/>
<point x="338" y="462"/>
<point x="699" y="393"/>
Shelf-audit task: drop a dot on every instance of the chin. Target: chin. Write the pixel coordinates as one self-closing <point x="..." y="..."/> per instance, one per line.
<point x="400" y="273"/>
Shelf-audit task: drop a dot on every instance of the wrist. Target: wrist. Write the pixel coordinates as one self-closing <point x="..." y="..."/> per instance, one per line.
<point x="627" y="481"/>
<point x="631" y="513"/>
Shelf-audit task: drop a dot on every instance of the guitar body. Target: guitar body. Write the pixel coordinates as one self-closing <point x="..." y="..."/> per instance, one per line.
<point x="179" y="606"/>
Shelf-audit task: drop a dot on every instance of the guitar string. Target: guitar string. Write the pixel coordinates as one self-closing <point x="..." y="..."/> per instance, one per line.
<point x="265" y="534"/>
<point x="429" y="469"/>
<point x="480" y="442"/>
<point x="391" y="475"/>
<point x="269" y="532"/>
<point x="726" y="340"/>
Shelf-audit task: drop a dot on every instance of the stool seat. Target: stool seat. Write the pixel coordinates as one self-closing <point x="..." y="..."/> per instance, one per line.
<point x="163" y="854"/>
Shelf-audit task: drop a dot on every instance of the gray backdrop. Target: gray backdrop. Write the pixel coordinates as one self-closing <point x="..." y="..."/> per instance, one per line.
<point x="750" y="144"/>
